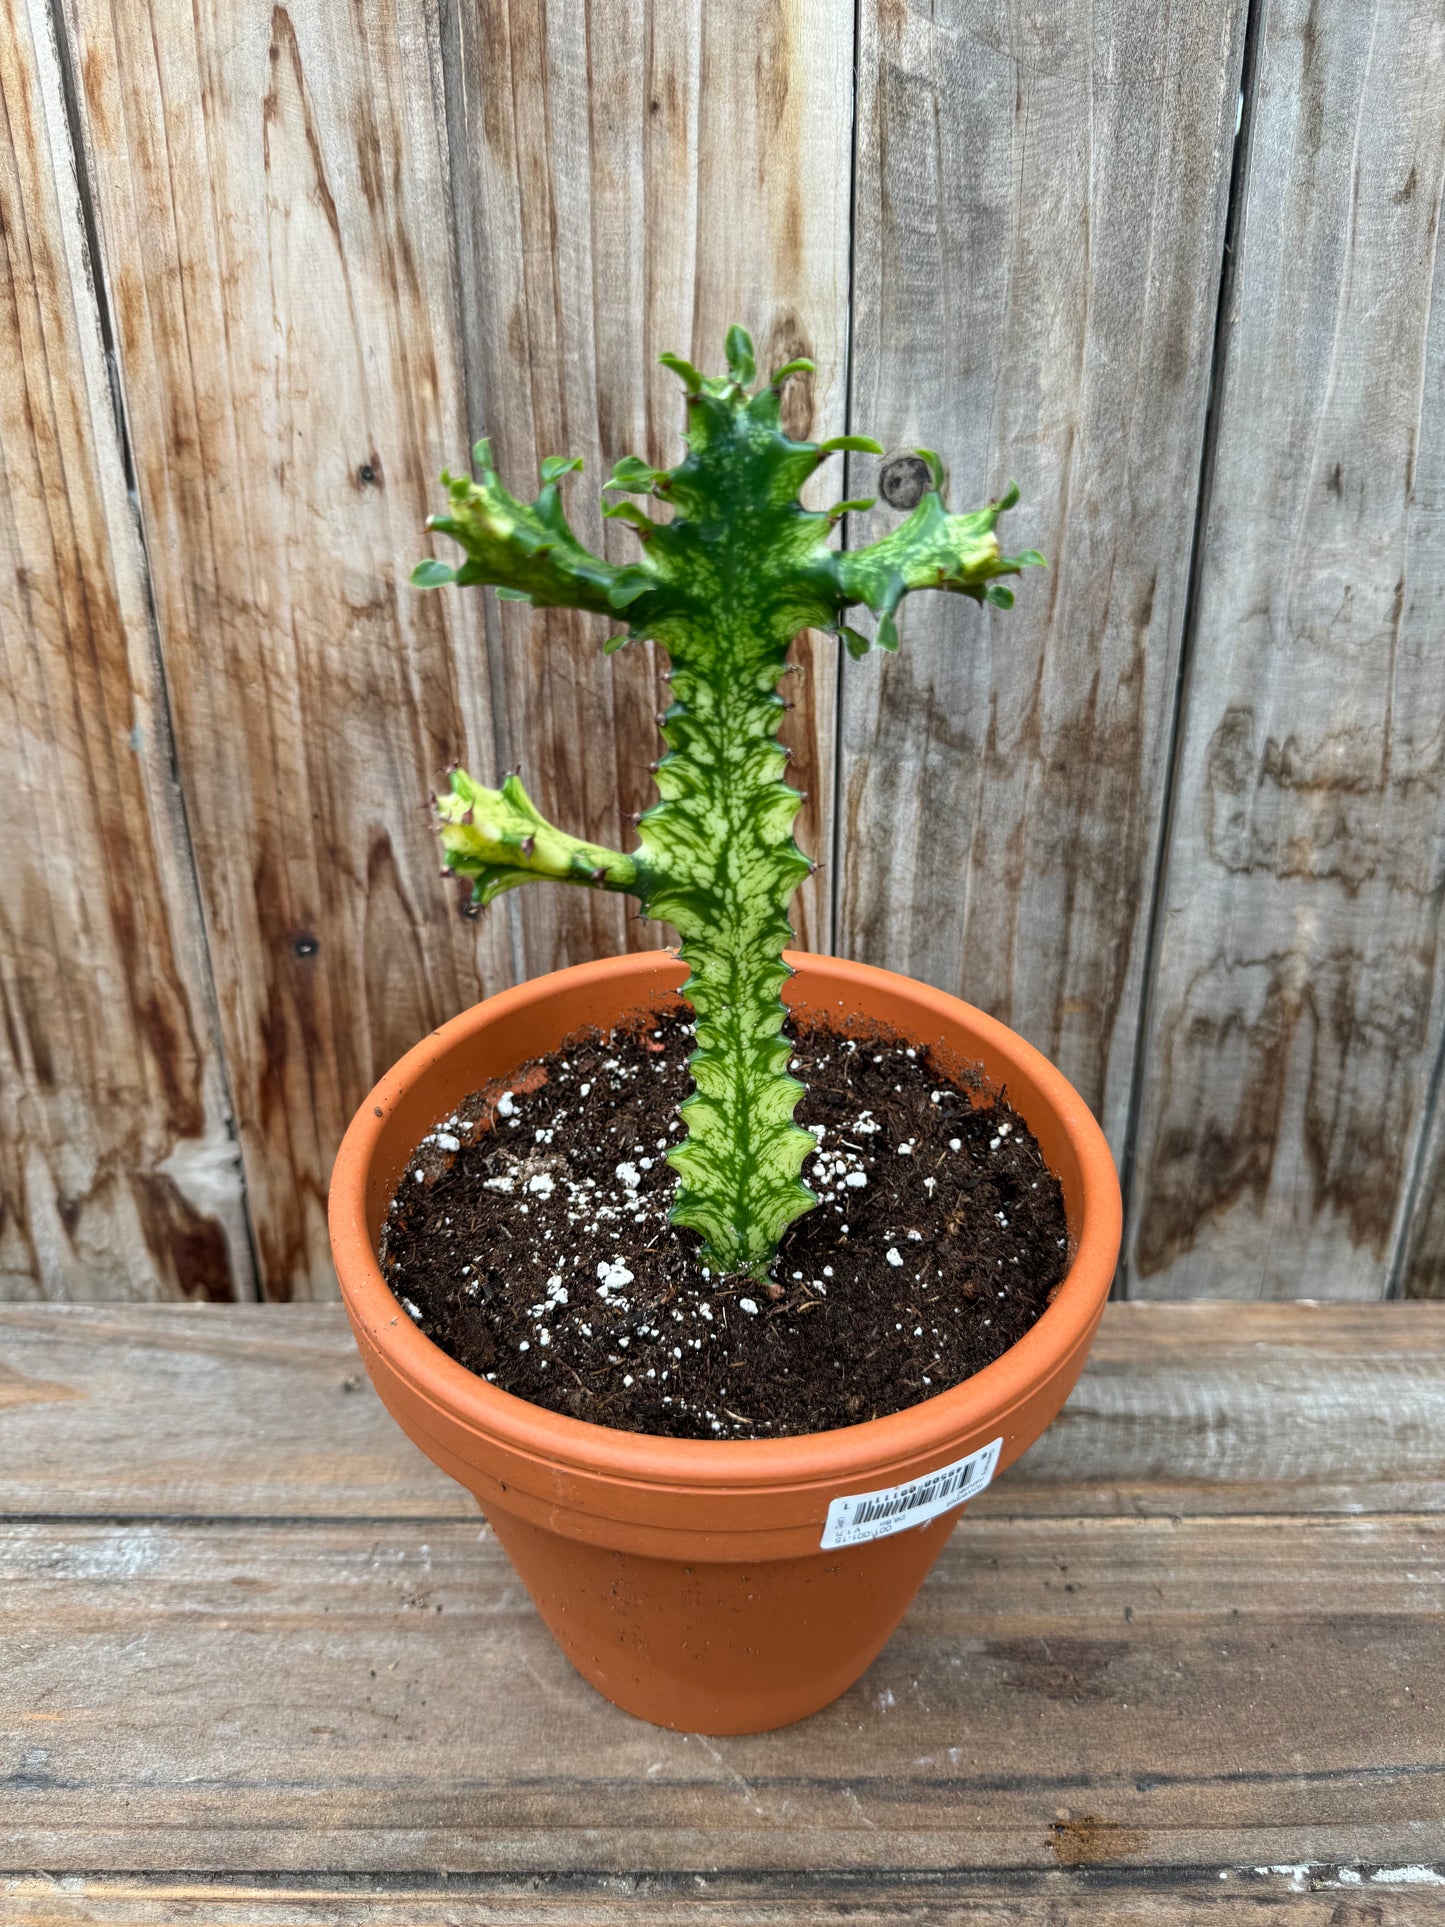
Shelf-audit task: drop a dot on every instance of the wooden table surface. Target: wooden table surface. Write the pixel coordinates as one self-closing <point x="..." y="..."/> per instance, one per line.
<point x="260" y="1663"/>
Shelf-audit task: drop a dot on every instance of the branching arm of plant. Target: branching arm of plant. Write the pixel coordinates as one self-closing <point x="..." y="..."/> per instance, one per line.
<point x="499" y="838"/>
<point x="732" y="568"/>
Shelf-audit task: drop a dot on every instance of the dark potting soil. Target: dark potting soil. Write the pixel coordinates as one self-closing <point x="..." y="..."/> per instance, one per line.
<point x="529" y="1239"/>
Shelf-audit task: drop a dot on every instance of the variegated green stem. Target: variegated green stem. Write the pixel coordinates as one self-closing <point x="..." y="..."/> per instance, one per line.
<point x="723" y="585"/>
<point x="722" y="863"/>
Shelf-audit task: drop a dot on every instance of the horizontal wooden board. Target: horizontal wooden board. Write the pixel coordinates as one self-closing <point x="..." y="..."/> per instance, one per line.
<point x="263" y="1411"/>
<point x="224" y="1697"/>
<point x="1217" y="1697"/>
<point x="1327" y="1895"/>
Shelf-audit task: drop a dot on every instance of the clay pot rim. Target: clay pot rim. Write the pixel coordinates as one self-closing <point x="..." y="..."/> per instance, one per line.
<point x="931" y="1428"/>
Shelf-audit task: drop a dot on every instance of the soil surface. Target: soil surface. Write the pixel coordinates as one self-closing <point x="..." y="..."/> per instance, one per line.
<point x="529" y="1239"/>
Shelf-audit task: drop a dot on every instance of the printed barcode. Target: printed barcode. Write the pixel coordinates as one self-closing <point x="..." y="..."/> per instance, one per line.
<point x="870" y="1515"/>
<point x="913" y="1496"/>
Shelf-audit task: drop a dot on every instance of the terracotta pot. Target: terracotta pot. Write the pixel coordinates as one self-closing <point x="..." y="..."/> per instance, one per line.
<point x="686" y="1578"/>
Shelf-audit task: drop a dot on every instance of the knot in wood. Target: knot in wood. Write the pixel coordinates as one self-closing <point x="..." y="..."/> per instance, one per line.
<point x="904" y="481"/>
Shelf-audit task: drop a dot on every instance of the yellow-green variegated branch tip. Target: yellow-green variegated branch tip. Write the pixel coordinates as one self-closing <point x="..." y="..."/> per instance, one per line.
<point x="499" y="838"/>
<point x="732" y="566"/>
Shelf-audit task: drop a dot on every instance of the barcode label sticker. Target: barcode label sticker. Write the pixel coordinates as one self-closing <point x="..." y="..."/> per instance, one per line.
<point x="873" y="1515"/>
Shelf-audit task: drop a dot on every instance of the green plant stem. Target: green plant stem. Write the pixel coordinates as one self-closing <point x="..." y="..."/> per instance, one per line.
<point x="719" y="847"/>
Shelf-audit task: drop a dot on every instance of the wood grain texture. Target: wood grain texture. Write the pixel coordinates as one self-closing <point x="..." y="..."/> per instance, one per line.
<point x="258" y="1412"/>
<point x="273" y="1720"/>
<point x="255" y="1412"/>
<point x="1300" y="989"/>
<point x="382" y="1696"/>
<point x="1422" y="1268"/>
<point x="119" y="1176"/>
<point x="633" y="178"/>
<point x="1326" y="1895"/>
<point x="1040" y="216"/>
<point x="274" y="213"/>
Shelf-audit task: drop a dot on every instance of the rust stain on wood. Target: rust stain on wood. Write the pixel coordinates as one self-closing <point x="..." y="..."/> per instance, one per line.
<point x="189" y="1245"/>
<point x="1092" y="1841"/>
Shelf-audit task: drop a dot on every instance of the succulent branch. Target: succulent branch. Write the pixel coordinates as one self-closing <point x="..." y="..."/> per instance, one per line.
<point x="732" y="568"/>
<point x="499" y="838"/>
<point x="525" y="549"/>
<point x="931" y="550"/>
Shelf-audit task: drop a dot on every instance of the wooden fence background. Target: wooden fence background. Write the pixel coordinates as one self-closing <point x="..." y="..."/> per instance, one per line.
<point x="265" y="268"/>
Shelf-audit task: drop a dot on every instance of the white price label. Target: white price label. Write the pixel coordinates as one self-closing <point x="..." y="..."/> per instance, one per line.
<point x="873" y="1515"/>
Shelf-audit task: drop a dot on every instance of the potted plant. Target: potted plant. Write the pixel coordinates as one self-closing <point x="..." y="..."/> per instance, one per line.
<point x="720" y="1583"/>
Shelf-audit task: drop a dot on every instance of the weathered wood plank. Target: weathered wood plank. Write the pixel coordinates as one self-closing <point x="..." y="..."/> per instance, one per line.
<point x="1300" y="988"/>
<point x="383" y="1697"/>
<point x="268" y="1415"/>
<point x="246" y="1412"/>
<point x="628" y="182"/>
<point x="1040" y="217"/>
<point x="1322" y="1896"/>
<point x="119" y="1176"/>
<point x="1077" y="1713"/>
<point x="273" y="207"/>
<point x="1422" y="1269"/>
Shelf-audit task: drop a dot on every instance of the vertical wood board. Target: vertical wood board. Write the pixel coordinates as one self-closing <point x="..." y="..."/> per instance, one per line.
<point x="633" y="178"/>
<point x="1297" y="1008"/>
<point x="1422" y="1256"/>
<point x="275" y="217"/>
<point x="1040" y="216"/>
<point x="119" y="1176"/>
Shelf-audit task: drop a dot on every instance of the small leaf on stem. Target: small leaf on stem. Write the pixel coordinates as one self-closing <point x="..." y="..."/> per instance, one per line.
<point x="856" y="444"/>
<point x="554" y="467"/>
<point x="632" y="475"/>
<point x="685" y="371"/>
<point x="742" y="364"/>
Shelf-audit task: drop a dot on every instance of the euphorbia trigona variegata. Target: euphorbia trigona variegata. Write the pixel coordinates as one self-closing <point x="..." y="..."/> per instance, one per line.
<point x="723" y="585"/>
